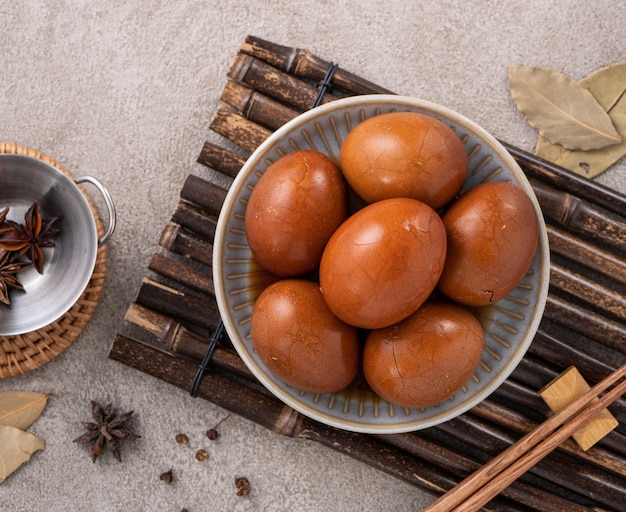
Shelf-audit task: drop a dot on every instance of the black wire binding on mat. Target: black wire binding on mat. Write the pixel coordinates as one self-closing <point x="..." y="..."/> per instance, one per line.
<point x="204" y="365"/>
<point x="326" y="84"/>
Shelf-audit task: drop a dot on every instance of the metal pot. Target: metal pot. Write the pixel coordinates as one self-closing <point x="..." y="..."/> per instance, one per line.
<point x="68" y="265"/>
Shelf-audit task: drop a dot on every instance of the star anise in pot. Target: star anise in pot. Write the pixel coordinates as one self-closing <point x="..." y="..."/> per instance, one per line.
<point x="4" y="226"/>
<point x="8" y="269"/>
<point x="28" y="238"/>
<point x="106" y="432"/>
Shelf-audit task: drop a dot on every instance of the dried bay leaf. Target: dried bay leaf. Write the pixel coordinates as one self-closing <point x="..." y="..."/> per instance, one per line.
<point x="608" y="86"/>
<point x="560" y="109"/>
<point x="16" y="447"/>
<point x="21" y="408"/>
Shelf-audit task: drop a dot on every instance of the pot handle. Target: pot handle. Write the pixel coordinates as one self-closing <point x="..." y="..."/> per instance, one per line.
<point x="108" y="203"/>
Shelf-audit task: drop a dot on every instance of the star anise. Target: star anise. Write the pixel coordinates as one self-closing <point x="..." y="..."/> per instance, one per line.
<point x="4" y="226"/>
<point x="28" y="238"/>
<point x="107" y="431"/>
<point x="8" y="269"/>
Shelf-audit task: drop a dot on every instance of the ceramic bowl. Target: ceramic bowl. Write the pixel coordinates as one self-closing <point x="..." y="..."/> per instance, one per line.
<point x="509" y="324"/>
<point x="68" y="265"/>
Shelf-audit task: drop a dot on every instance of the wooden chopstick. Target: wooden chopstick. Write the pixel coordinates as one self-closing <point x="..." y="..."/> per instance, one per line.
<point x="484" y="484"/>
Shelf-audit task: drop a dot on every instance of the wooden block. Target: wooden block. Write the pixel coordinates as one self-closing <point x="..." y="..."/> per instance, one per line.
<point x="564" y="389"/>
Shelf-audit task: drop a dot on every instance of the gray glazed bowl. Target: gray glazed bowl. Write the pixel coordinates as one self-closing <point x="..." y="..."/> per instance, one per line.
<point x="68" y="265"/>
<point x="509" y="324"/>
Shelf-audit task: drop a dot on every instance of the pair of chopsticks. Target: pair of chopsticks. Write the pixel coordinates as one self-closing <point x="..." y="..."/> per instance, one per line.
<point x="487" y="482"/>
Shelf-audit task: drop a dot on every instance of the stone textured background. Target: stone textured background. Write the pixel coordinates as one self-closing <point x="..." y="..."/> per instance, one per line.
<point x="124" y="91"/>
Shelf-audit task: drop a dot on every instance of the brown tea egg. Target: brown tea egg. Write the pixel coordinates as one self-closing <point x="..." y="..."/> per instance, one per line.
<point x="404" y="154"/>
<point x="383" y="262"/>
<point x="293" y="210"/>
<point x="426" y="358"/>
<point x="300" y="340"/>
<point x="492" y="236"/>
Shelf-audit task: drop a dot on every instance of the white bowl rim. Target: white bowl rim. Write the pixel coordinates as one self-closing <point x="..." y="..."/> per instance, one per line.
<point x="387" y="100"/>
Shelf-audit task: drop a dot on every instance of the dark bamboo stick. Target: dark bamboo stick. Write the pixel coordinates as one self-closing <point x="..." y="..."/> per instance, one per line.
<point x="586" y="254"/>
<point x="212" y="153"/>
<point x="555" y="351"/>
<point x="194" y="219"/>
<point x="177" y="304"/>
<point x="178" y="339"/>
<point x="580" y="217"/>
<point x="181" y="241"/>
<point x="238" y="129"/>
<point x="167" y="331"/>
<point x="514" y="394"/>
<point x="257" y="107"/>
<point x="287" y="59"/>
<point x="268" y="412"/>
<point x="602" y="298"/>
<point x="303" y="63"/>
<point x="182" y="274"/>
<point x="586" y="323"/>
<point x="267" y="79"/>
<point x="568" y="181"/>
<point x="203" y="193"/>
<point x="220" y="159"/>
<point x="554" y="468"/>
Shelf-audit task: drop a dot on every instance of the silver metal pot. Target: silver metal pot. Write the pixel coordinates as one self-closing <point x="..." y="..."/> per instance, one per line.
<point x="68" y="265"/>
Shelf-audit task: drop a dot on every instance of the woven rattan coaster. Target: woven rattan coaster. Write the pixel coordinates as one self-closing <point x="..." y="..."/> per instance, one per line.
<point x="26" y="352"/>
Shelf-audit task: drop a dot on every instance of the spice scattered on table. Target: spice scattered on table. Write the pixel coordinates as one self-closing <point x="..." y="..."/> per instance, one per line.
<point x="182" y="439"/>
<point x="213" y="433"/>
<point x="167" y="477"/>
<point x="243" y="486"/>
<point x="202" y="454"/>
<point x="107" y="431"/>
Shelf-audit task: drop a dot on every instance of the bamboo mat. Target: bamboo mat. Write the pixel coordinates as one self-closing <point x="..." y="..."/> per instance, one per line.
<point x="171" y="323"/>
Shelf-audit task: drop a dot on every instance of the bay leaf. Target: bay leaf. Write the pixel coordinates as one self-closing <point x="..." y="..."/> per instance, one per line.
<point x="608" y="86"/>
<point x="560" y="109"/>
<point x="21" y="408"/>
<point x="16" y="447"/>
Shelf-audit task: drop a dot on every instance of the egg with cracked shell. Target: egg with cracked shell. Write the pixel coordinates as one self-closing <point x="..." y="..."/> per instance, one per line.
<point x="299" y="339"/>
<point x="293" y="210"/>
<point x="426" y="358"/>
<point x="404" y="154"/>
<point x="492" y="232"/>
<point x="383" y="262"/>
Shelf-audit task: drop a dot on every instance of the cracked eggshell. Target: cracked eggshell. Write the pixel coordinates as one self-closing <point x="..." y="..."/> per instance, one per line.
<point x="293" y="210"/>
<point x="383" y="262"/>
<point x="404" y="154"/>
<point x="426" y="358"/>
<point x="492" y="235"/>
<point x="300" y="340"/>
